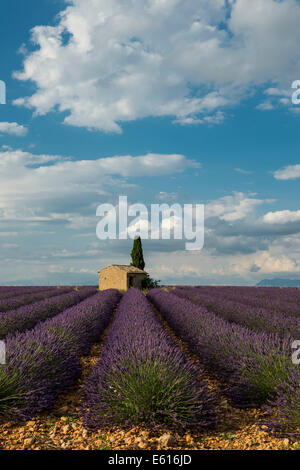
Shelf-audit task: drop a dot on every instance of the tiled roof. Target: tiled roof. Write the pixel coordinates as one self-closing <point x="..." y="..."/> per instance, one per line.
<point x="128" y="269"/>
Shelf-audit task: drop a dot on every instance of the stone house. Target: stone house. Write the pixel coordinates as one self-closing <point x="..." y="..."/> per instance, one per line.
<point x="121" y="277"/>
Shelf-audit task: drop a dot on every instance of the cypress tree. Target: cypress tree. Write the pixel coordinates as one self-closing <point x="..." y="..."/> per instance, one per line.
<point x="137" y="254"/>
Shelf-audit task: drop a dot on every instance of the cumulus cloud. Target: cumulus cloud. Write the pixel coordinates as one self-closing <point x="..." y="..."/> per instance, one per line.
<point x="43" y="188"/>
<point x="12" y="128"/>
<point x="245" y="268"/>
<point x="111" y="61"/>
<point x="276" y="96"/>
<point x="234" y="207"/>
<point x="282" y="217"/>
<point x="217" y="118"/>
<point x="289" y="172"/>
<point x="237" y="225"/>
<point x="265" y="106"/>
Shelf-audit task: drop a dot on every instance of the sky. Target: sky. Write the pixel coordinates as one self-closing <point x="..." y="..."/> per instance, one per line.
<point x="164" y="101"/>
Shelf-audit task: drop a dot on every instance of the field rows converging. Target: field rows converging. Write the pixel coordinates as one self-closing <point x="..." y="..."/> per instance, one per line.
<point x="26" y="317"/>
<point x="143" y="376"/>
<point x="42" y="362"/>
<point x="234" y="311"/>
<point x="146" y="374"/>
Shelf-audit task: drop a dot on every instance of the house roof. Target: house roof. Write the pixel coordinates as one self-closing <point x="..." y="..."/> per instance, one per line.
<point x="124" y="267"/>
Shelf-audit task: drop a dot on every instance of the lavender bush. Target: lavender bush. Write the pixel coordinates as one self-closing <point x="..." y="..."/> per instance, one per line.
<point x="143" y="377"/>
<point x="284" y="412"/>
<point x="44" y="361"/>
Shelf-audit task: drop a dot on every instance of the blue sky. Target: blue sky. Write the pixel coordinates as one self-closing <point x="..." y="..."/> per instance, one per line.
<point x="209" y="82"/>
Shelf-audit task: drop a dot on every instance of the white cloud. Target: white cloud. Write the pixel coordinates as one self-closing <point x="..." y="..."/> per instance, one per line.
<point x="146" y="165"/>
<point x="12" y="128"/>
<point x="277" y="92"/>
<point x="217" y="118"/>
<point x="232" y="208"/>
<point x="203" y="268"/>
<point x="44" y="188"/>
<point x="288" y="173"/>
<point x="265" y="106"/>
<point x="282" y="217"/>
<point x="127" y="60"/>
<point x="277" y="263"/>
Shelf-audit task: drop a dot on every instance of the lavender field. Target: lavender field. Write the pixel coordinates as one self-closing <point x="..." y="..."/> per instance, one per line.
<point x="163" y="362"/>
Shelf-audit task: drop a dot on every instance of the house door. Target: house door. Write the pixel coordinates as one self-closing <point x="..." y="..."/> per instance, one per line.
<point x="130" y="281"/>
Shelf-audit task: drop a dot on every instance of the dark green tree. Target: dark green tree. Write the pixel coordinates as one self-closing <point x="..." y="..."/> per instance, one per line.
<point x="137" y="254"/>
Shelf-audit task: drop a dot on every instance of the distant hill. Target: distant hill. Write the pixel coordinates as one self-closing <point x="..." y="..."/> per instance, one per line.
<point x="280" y="282"/>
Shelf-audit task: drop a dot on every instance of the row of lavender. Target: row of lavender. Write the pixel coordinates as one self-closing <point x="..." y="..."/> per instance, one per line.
<point x="291" y="294"/>
<point x="44" y="361"/>
<point x="143" y="377"/>
<point x="28" y="316"/>
<point x="255" y="368"/>
<point x="14" y="302"/>
<point x="234" y="311"/>
<point x="285" y="300"/>
<point x="16" y="291"/>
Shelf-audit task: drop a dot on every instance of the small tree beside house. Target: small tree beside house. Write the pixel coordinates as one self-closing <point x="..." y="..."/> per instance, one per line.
<point x="137" y="256"/>
<point x="137" y="260"/>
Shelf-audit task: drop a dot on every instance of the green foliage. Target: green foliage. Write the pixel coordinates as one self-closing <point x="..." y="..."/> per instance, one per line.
<point x="295" y="447"/>
<point x="10" y="393"/>
<point x="137" y="254"/>
<point x="228" y="436"/>
<point x="104" y="445"/>
<point x="151" y="391"/>
<point x="149" y="283"/>
<point x="265" y="377"/>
